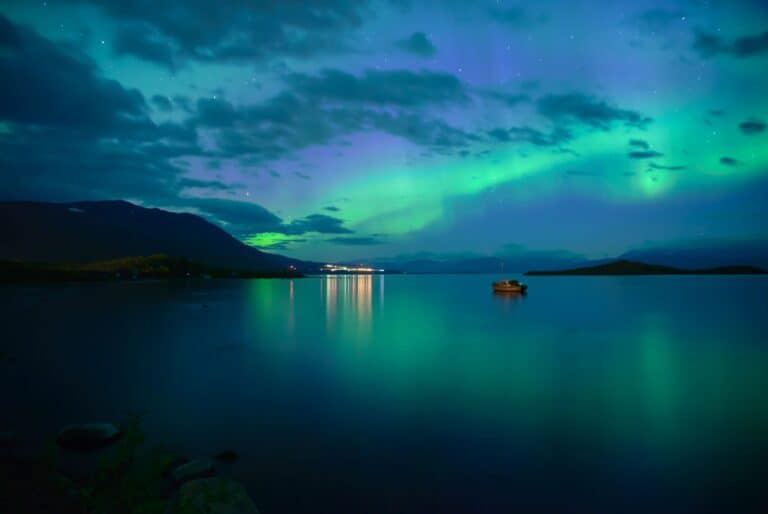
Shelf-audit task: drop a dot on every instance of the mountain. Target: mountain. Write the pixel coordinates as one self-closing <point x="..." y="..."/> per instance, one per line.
<point x="82" y="232"/>
<point x="625" y="267"/>
<point x="519" y="262"/>
<point x="704" y="254"/>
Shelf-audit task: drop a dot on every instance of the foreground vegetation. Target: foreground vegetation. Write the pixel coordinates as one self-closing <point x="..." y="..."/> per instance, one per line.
<point x="127" y="268"/>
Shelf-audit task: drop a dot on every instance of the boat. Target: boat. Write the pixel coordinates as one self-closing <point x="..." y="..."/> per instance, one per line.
<point x="509" y="286"/>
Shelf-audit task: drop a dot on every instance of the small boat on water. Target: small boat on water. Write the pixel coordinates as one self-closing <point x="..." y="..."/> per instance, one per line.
<point x="509" y="286"/>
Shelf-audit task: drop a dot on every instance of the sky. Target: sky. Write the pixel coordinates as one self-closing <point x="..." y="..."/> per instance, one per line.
<point x="337" y="130"/>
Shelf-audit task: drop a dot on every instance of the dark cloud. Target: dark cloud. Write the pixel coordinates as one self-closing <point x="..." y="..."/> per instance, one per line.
<point x="403" y="88"/>
<point x="319" y="223"/>
<point x="729" y="161"/>
<point x="356" y="241"/>
<point x="509" y="99"/>
<point x="318" y="109"/>
<point x="753" y="126"/>
<point x="145" y="42"/>
<point x="417" y="44"/>
<point x="302" y="176"/>
<point x="215" y="112"/>
<point x="709" y="45"/>
<point x="169" y="32"/>
<point x="660" y="167"/>
<point x="162" y="103"/>
<point x="556" y="137"/>
<point x="331" y="208"/>
<point x="247" y="218"/>
<point x="48" y="84"/>
<point x="72" y="134"/>
<point x="581" y="108"/>
<point x="238" y="217"/>
<point x="419" y="129"/>
<point x="639" y="143"/>
<point x="644" y="154"/>
<point x="213" y="185"/>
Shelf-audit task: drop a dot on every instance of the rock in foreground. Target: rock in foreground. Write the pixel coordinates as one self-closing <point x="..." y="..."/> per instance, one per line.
<point x="215" y="496"/>
<point x="88" y="437"/>
<point x="197" y="468"/>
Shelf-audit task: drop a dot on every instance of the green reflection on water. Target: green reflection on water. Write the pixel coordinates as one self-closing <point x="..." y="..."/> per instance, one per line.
<point x="413" y="350"/>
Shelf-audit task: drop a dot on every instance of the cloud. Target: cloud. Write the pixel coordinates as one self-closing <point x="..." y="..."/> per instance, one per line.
<point x="320" y="223"/>
<point x="402" y="88"/>
<point x="660" y="167"/>
<point x="317" y="109"/>
<point x="169" y="33"/>
<point x="162" y="103"/>
<point x="48" y="84"/>
<point x="644" y="154"/>
<point x="639" y="143"/>
<point x="417" y="44"/>
<point x="214" y="185"/>
<point x="302" y="176"/>
<point x="331" y="208"/>
<point x="556" y="137"/>
<point x="145" y="42"/>
<point x="585" y="109"/>
<point x="355" y="241"/>
<point x="215" y="112"/>
<point x="708" y="44"/>
<point x="509" y="99"/>
<point x="753" y="126"/>
<point x="239" y="217"/>
<point x="248" y="218"/>
<point x="729" y="161"/>
<point x="73" y="134"/>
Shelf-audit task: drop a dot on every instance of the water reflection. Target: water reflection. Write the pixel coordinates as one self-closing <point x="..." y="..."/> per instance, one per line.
<point x="506" y="297"/>
<point x="349" y="301"/>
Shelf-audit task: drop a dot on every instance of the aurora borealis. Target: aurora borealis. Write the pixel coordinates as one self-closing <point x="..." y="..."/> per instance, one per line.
<point x="338" y="130"/>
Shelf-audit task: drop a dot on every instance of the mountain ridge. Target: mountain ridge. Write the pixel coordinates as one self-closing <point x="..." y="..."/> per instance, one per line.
<point x="88" y="231"/>
<point x="627" y="267"/>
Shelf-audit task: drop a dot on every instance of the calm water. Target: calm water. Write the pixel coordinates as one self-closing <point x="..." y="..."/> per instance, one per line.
<point x="417" y="393"/>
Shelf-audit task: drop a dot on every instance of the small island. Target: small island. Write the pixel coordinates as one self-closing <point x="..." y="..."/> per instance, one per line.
<point x="626" y="267"/>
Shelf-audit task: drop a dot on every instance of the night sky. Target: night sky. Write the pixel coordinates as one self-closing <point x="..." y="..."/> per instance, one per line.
<point x="353" y="130"/>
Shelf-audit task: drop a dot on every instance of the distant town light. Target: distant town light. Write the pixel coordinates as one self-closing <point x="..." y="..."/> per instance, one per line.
<point x="334" y="268"/>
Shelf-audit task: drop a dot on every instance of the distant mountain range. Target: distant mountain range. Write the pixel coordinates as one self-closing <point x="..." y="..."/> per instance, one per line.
<point x="83" y="232"/>
<point x="512" y="264"/>
<point x="705" y="254"/>
<point x="694" y="255"/>
<point x="625" y="267"/>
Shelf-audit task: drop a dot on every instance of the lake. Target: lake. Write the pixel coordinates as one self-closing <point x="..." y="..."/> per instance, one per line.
<point x="413" y="394"/>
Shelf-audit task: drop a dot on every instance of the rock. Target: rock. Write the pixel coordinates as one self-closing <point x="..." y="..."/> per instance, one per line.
<point x="215" y="496"/>
<point x="88" y="437"/>
<point x="172" y="464"/>
<point x="198" y="468"/>
<point x="227" y="456"/>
